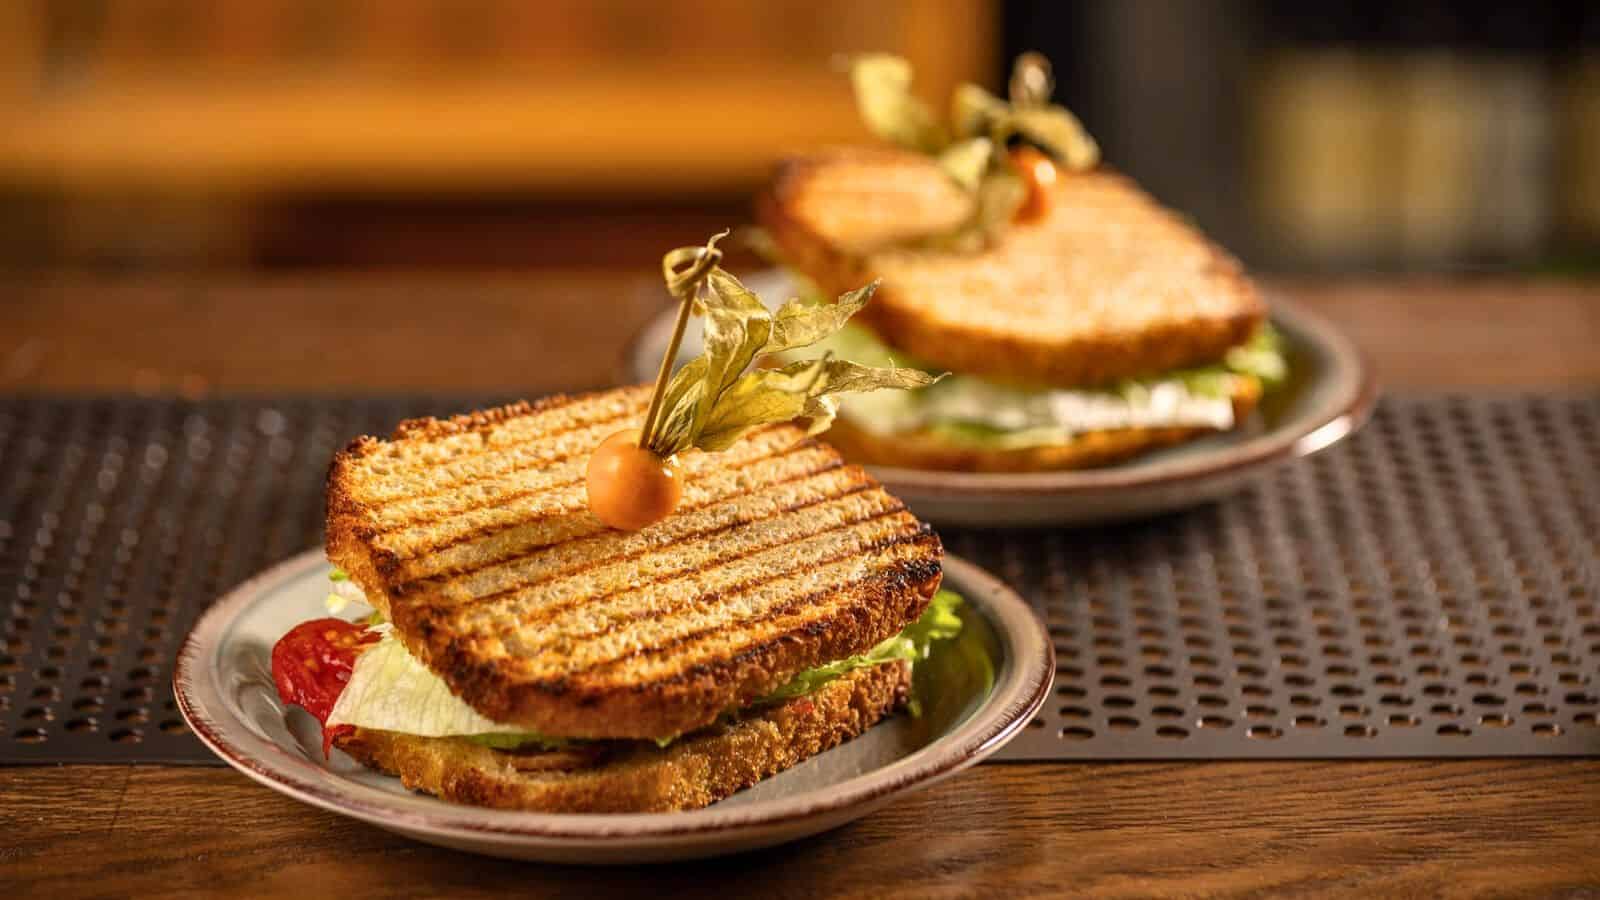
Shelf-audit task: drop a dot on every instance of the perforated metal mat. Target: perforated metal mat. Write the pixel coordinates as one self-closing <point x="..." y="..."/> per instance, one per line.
<point x="1429" y="588"/>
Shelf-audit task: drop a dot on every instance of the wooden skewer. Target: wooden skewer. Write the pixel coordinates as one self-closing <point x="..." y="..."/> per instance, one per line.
<point x="667" y="360"/>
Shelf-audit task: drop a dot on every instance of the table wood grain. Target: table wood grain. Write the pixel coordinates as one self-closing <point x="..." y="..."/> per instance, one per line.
<point x="1244" y="829"/>
<point x="564" y="330"/>
<point x="1415" y="828"/>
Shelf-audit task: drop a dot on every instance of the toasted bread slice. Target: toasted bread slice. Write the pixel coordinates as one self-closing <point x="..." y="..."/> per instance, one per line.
<point x="924" y="450"/>
<point x="639" y="777"/>
<point x="1108" y="285"/>
<point x="474" y="537"/>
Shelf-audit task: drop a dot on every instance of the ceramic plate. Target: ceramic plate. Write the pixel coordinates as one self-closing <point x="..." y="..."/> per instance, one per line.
<point x="225" y="691"/>
<point x="1329" y="395"/>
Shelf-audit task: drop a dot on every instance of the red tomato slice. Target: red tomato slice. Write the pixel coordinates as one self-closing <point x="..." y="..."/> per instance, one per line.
<point x="312" y="664"/>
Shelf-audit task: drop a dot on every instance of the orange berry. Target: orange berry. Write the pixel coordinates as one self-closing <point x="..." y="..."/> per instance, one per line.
<point x="630" y="487"/>
<point x="1038" y="174"/>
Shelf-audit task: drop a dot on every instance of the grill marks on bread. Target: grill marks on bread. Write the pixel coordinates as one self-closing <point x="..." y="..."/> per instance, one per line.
<point x="495" y="573"/>
<point x="769" y="617"/>
<point x="666" y="673"/>
<point x="537" y="586"/>
<point x="433" y="455"/>
<point x="550" y="539"/>
<point x="525" y="496"/>
<point x="713" y="586"/>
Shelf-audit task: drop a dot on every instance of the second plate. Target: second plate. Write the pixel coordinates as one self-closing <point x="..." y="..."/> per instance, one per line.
<point x="1328" y="396"/>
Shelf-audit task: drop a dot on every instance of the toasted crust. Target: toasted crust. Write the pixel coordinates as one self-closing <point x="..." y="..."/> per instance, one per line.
<point x="692" y="772"/>
<point x="1109" y="285"/>
<point x="922" y="450"/>
<point x="473" y="536"/>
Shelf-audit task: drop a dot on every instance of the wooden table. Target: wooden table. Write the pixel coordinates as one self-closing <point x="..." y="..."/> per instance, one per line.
<point x="1489" y="827"/>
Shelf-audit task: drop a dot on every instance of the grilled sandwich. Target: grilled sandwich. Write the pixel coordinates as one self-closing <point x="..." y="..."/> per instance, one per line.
<point x="1104" y="328"/>
<point x="527" y="656"/>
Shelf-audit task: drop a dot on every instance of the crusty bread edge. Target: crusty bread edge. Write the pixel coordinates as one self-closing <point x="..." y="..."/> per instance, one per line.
<point x="693" y="772"/>
<point x="1095" y="448"/>
<point x="976" y="351"/>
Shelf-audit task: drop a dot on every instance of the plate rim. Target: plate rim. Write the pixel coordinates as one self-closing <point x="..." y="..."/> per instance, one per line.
<point x="1012" y="704"/>
<point x="1325" y="426"/>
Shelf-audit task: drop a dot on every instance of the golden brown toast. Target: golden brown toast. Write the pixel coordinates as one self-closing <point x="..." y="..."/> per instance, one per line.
<point x="925" y="450"/>
<point x="473" y="536"/>
<point x="1108" y="285"/>
<point x="692" y="772"/>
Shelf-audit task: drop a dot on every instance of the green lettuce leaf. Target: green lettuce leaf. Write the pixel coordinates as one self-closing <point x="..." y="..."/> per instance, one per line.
<point x="342" y="592"/>
<point x="944" y="685"/>
<point x="517" y="740"/>
<point x="940" y="622"/>
<point x="1261" y="356"/>
<point x="391" y="690"/>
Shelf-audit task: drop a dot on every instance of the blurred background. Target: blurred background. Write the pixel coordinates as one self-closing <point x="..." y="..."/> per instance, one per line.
<point x="296" y="134"/>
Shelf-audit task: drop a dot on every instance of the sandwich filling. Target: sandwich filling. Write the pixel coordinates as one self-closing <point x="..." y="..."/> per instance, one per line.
<point x="378" y="684"/>
<point x="967" y="410"/>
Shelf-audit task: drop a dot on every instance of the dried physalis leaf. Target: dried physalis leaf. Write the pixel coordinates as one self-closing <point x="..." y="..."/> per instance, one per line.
<point x="1060" y="134"/>
<point x="686" y="268"/>
<point x="973" y="111"/>
<point x="1029" y="115"/>
<point x="759" y="398"/>
<point x="1032" y="81"/>
<point x="984" y="128"/>
<point x="714" y="399"/>
<point x="998" y="200"/>
<point x="966" y="162"/>
<point x="800" y="323"/>
<point x="882" y="85"/>
<point x="805" y="389"/>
